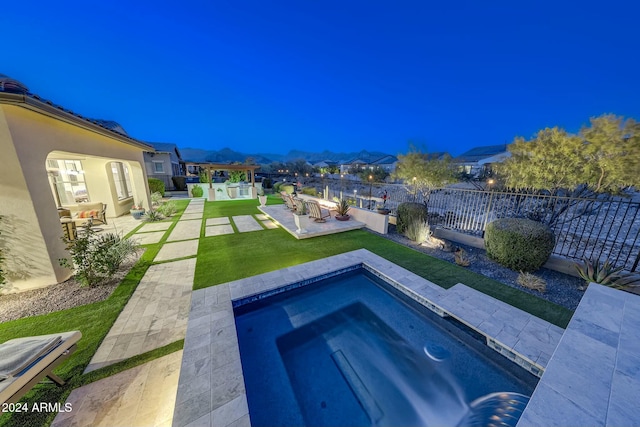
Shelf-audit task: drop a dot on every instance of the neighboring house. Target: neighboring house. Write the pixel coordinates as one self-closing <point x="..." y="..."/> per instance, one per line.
<point x="353" y="163"/>
<point x="164" y="163"/>
<point x="54" y="158"/>
<point x="388" y="163"/>
<point x="477" y="161"/>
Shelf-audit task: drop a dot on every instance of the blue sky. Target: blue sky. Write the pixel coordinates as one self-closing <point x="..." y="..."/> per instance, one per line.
<point x="271" y="76"/>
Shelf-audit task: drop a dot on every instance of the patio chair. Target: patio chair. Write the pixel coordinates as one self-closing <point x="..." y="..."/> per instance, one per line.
<point x="316" y="212"/>
<point x="289" y="201"/>
<point x="26" y="361"/>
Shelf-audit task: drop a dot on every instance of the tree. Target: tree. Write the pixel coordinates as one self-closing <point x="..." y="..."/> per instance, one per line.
<point x="377" y="174"/>
<point x="602" y="158"/>
<point x="423" y="173"/>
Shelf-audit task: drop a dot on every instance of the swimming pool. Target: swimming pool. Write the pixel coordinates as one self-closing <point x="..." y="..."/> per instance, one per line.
<point x="352" y="350"/>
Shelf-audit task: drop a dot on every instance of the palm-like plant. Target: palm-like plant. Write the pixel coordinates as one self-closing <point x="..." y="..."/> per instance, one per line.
<point x="342" y="207"/>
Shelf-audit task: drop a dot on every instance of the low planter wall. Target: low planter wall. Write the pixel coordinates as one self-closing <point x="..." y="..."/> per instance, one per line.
<point x="372" y="219"/>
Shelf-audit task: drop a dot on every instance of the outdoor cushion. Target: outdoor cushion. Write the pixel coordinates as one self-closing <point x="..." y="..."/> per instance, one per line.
<point x="88" y="214"/>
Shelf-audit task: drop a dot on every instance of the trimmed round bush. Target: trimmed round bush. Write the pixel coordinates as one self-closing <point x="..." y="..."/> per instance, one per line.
<point x="155" y="185"/>
<point x="518" y="243"/>
<point x="277" y="187"/>
<point x="288" y="188"/>
<point x="409" y="213"/>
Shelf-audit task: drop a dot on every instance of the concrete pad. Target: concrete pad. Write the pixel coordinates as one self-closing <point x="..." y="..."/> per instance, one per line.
<point x="246" y="223"/>
<point x="140" y="396"/>
<point x="156" y="314"/>
<point x="185" y="230"/>
<point x="189" y="216"/>
<point x="155" y="226"/>
<point x="261" y="217"/>
<point x="148" y="238"/>
<point x="284" y="218"/>
<point x="177" y="250"/>
<point x="218" y="230"/>
<point x="218" y="221"/>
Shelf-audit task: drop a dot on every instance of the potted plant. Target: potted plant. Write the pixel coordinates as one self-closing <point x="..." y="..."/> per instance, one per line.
<point x="262" y="198"/>
<point x="382" y="209"/>
<point x="342" y="208"/>
<point x="137" y="210"/>
<point x="301" y="217"/>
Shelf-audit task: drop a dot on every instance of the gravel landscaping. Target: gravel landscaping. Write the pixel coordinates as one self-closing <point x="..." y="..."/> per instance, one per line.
<point x="61" y="296"/>
<point x="562" y="289"/>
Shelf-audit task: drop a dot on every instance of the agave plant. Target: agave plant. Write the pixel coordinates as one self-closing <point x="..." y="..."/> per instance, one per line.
<point x="606" y="274"/>
<point x="153" y="215"/>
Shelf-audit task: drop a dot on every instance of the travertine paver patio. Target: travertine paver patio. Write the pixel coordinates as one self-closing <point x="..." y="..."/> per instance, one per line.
<point x="141" y="396"/>
<point x="177" y="250"/>
<point x="155" y="226"/>
<point x="284" y="218"/>
<point x="246" y="223"/>
<point x="148" y="238"/>
<point x="156" y="315"/>
<point x="185" y="230"/>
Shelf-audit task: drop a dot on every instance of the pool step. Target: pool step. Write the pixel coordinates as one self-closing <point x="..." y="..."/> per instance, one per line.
<point x="495" y="409"/>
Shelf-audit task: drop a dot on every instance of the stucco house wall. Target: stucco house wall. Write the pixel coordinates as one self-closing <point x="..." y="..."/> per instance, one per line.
<point x="30" y="132"/>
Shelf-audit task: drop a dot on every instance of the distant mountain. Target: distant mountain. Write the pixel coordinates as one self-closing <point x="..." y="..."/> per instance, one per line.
<point x="227" y="155"/>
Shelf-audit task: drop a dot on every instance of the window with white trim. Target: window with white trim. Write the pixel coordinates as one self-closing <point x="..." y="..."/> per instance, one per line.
<point x="158" y="166"/>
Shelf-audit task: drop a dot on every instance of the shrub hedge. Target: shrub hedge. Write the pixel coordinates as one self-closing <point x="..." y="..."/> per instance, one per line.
<point x="311" y="191"/>
<point x="518" y="243"/>
<point x="155" y="185"/>
<point x="410" y="212"/>
<point x="287" y="188"/>
<point x="197" y="191"/>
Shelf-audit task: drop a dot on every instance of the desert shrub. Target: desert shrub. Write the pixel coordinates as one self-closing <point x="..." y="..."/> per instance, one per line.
<point x="197" y="191"/>
<point x="156" y="198"/>
<point x="277" y="185"/>
<point x="409" y="212"/>
<point x="530" y="281"/>
<point x="460" y="258"/>
<point x="518" y="243"/>
<point x="96" y="258"/>
<point x="287" y="188"/>
<point x="310" y="191"/>
<point x="155" y="185"/>
<point x="168" y="208"/>
<point x="153" y="215"/>
<point x="418" y="231"/>
<point x="592" y="271"/>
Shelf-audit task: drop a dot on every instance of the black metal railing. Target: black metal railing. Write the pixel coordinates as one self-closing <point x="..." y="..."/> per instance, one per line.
<point x="599" y="227"/>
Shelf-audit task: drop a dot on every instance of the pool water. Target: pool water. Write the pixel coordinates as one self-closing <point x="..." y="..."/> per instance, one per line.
<point x="353" y="351"/>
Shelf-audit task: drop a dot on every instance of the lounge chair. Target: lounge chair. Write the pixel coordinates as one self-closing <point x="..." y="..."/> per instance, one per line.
<point x="26" y="361"/>
<point x="289" y="201"/>
<point x="316" y="212"/>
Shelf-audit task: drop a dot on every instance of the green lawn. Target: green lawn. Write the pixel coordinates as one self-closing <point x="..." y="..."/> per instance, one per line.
<point x="231" y="257"/>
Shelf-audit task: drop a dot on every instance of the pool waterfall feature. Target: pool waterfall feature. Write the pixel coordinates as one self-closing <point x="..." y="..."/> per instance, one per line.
<point x="339" y="351"/>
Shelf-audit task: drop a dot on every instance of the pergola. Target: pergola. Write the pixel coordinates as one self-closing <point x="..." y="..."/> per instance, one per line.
<point x="210" y="167"/>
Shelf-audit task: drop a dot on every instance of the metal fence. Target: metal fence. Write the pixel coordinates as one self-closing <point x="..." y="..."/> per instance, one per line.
<point x="603" y="228"/>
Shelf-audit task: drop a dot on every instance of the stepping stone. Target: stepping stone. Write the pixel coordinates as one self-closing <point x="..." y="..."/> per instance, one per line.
<point x="218" y="230"/>
<point x="261" y="217"/>
<point x="185" y="230"/>
<point x="140" y="396"/>
<point x="218" y="221"/>
<point x="269" y="224"/>
<point x="154" y="226"/>
<point x="148" y="238"/>
<point x="177" y="250"/>
<point x="245" y="223"/>
<point x="191" y="216"/>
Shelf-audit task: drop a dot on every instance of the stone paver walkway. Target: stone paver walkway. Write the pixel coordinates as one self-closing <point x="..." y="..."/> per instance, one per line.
<point x="148" y="238"/>
<point x="177" y="250"/>
<point x="217" y="221"/>
<point x="142" y="396"/>
<point x="155" y="226"/>
<point x="188" y="216"/>
<point x="246" y="223"/>
<point x="185" y="230"/>
<point x="155" y="316"/>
